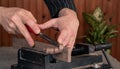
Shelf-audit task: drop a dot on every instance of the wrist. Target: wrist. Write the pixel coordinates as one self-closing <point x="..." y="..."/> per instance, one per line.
<point x="67" y="11"/>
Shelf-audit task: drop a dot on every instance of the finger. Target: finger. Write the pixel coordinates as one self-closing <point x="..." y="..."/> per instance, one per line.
<point x="66" y="40"/>
<point x="48" y="24"/>
<point x="31" y="22"/>
<point x="61" y="47"/>
<point x="12" y="26"/>
<point x="8" y="29"/>
<point x="62" y="37"/>
<point x="23" y="30"/>
<point x="71" y="44"/>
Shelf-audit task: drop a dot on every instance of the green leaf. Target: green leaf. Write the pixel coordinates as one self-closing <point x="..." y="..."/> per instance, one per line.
<point x="89" y="40"/>
<point x="91" y="20"/>
<point x="104" y="29"/>
<point x="102" y="24"/>
<point x="112" y="35"/>
<point x="100" y="31"/>
<point x="98" y="14"/>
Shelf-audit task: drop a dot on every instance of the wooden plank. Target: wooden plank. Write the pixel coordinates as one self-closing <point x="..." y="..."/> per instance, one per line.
<point x="114" y="20"/>
<point x="39" y="10"/>
<point x="20" y="3"/>
<point x="107" y="8"/>
<point x="33" y="7"/>
<point x="92" y="4"/>
<point x="26" y="4"/>
<point x="118" y="28"/>
<point x="5" y="3"/>
<point x="0" y="32"/>
<point x="80" y="8"/>
<point x="118" y="46"/>
<point x="6" y="38"/>
<point x="12" y="3"/>
<point x="0" y="36"/>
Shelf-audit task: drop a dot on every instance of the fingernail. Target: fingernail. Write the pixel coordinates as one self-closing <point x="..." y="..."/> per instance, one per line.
<point x="37" y="31"/>
<point x="60" y="41"/>
<point x="31" y="43"/>
<point x="33" y="46"/>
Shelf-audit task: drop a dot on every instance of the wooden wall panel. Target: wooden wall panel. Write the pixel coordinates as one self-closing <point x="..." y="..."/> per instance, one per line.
<point x="0" y="32"/>
<point x="115" y="20"/>
<point x="118" y="39"/>
<point x="38" y="8"/>
<point x="12" y="3"/>
<point x="5" y="37"/>
<point x="80" y="4"/>
<point x="0" y="36"/>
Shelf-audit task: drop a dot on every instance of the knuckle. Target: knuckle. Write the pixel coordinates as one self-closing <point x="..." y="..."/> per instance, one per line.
<point x="10" y="31"/>
<point x="13" y="17"/>
<point x="27" y="20"/>
<point x="20" y="11"/>
<point x="29" y="12"/>
<point x="11" y="25"/>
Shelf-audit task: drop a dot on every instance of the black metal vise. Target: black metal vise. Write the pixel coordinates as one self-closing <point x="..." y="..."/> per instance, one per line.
<point x="29" y="58"/>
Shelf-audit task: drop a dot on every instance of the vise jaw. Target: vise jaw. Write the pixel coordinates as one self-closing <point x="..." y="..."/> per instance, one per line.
<point x="29" y="58"/>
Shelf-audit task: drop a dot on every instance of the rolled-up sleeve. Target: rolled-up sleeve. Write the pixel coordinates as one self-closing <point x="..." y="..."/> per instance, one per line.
<point x="55" y="6"/>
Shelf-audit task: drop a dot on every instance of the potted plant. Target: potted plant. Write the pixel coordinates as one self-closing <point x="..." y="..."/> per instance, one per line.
<point x="99" y="31"/>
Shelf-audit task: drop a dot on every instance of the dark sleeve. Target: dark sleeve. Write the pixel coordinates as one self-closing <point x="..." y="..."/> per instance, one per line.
<point x="55" y="6"/>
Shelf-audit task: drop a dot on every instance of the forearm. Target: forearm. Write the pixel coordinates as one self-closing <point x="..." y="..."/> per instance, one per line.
<point x="55" y="6"/>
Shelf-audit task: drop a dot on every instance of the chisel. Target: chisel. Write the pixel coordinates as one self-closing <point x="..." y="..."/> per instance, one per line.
<point x="51" y="41"/>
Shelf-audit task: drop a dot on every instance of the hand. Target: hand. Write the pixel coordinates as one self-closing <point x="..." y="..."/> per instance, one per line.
<point x="13" y="21"/>
<point x="67" y="23"/>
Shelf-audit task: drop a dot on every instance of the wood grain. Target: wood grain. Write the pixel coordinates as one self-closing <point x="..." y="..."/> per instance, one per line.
<point x="5" y="37"/>
<point x="0" y="36"/>
<point x="111" y="9"/>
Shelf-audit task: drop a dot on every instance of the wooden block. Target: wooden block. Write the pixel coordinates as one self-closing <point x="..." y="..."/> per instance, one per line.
<point x="62" y="55"/>
<point x="65" y="55"/>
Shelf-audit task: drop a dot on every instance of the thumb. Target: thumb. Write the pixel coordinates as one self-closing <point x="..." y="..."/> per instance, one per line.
<point x="48" y="24"/>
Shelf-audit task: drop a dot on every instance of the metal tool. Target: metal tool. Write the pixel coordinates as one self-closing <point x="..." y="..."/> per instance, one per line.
<point x="51" y="41"/>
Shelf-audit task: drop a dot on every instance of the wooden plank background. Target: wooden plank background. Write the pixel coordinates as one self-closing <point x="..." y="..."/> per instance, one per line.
<point x="5" y="38"/>
<point x="111" y="9"/>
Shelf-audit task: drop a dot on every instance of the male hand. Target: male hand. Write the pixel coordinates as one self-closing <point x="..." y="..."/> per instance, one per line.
<point x="67" y="23"/>
<point x="13" y="21"/>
